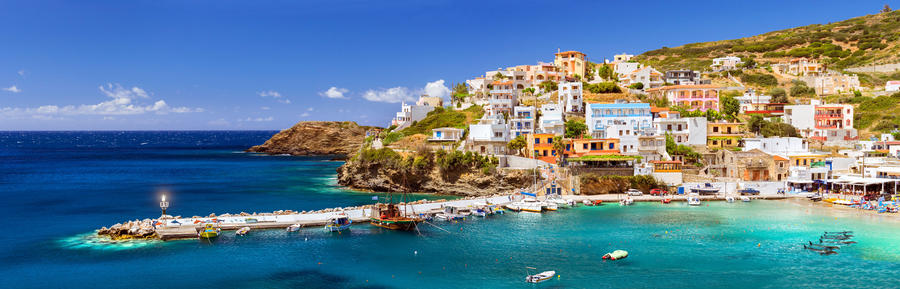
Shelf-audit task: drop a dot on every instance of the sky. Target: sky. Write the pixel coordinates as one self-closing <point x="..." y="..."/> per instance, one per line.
<point x="249" y="65"/>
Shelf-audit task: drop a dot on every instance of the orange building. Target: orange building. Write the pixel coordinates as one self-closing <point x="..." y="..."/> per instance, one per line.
<point x="592" y="147"/>
<point x="571" y="62"/>
<point x="540" y="146"/>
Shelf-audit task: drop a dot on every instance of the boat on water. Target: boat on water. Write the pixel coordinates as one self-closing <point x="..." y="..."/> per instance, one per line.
<point x="745" y="199"/>
<point x="540" y="277"/>
<point x="549" y="206"/>
<point x="450" y="213"/>
<point x="587" y="202"/>
<point x="209" y="231"/>
<point x="531" y="205"/>
<point x="560" y="203"/>
<point x="338" y="223"/>
<point x="729" y="199"/>
<point x="293" y="228"/>
<point x="693" y="200"/>
<point x="626" y="201"/>
<point x="388" y="216"/>
<point x="598" y="202"/>
<point x="706" y="189"/>
<point x="242" y="231"/>
<point x="616" y="255"/>
<point x="666" y="200"/>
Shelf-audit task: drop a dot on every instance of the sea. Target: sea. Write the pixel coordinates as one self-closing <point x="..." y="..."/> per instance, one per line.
<point x="58" y="187"/>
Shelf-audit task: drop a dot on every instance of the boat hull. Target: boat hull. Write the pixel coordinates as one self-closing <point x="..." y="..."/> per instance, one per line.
<point x="337" y="228"/>
<point x="400" y="225"/>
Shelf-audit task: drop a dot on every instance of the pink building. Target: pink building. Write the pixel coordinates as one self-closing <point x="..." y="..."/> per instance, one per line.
<point x="693" y="97"/>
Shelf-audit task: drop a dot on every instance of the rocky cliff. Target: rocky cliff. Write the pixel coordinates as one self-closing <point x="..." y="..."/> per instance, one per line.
<point x="379" y="177"/>
<point x="316" y="138"/>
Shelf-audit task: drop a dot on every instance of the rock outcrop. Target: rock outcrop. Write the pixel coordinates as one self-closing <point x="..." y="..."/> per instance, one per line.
<point x="308" y="138"/>
<point x="137" y="229"/>
<point x="373" y="176"/>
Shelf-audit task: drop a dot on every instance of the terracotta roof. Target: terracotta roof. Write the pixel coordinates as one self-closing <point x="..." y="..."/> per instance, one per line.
<point x="658" y="109"/>
<point x="663" y="88"/>
<point x="570" y="52"/>
<point x="779" y="158"/>
<point x="497" y="82"/>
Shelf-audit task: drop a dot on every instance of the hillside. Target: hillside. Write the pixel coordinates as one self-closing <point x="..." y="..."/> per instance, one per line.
<point x="316" y="138"/>
<point x="865" y="40"/>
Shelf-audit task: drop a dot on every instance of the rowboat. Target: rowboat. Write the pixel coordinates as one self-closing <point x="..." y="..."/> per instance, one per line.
<point x="208" y="232"/>
<point x="587" y="202"/>
<point x="693" y="200"/>
<point x="293" y="228"/>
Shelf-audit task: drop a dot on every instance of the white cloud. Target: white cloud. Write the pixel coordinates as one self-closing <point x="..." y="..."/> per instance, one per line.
<point x="257" y="119"/>
<point x="219" y="122"/>
<point x="125" y="101"/>
<point x="310" y="109"/>
<point x="13" y="89"/>
<point x="21" y="72"/>
<point x="390" y="95"/>
<point x="274" y="94"/>
<point x="334" y="92"/>
<point x="265" y="108"/>
<point x="400" y="93"/>
<point x="305" y="114"/>
<point x="437" y="88"/>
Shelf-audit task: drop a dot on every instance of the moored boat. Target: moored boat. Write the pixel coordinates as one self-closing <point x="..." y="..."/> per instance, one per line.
<point x="242" y="231"/>
<point x="626" y="201"/>
<point x="293" y="228"/>
<point x="745" y="199"/>
<point x="693" y="200"/>
<point x="209" y="231"/>
<point x="540" y="277"/>
<point x="338" y="223"/>
<point x="587" y="202"/>
<point x="706" y="189"/>
<point x="388" y="216"/>
<point x="616" y="255"/>
<point x="666" y="200"/>
<point x="729" y="199"/>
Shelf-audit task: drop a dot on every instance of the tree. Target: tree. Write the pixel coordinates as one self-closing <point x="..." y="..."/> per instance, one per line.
<point x="799" y="88"/>
<point x="575" y="129"/>
<point x="549" y="85"/>
<point x="559" y="146"/>
<point x="886" y="9"/>
<point x="528" y="91"/>
<point x="730" y="107"/>
<point x="499" y="76"/>
<point x="605" y="72"/>
<point x="517" y="144"/>
<point x="639" y="85"/>
<point x="755" y="123"/>
<point x="460" y="88"/>
<point x="577" y="77"/>
<point x="779" y="95"/>
<point x="670" y="144"/>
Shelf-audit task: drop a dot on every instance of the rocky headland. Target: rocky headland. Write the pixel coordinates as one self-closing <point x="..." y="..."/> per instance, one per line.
<point x="309" y="138"/>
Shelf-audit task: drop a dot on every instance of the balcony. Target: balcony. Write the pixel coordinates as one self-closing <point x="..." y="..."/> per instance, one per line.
<point x="829" y="115"/>
<point x="501" y="101"/>
<point x="833" y="126"/>
<point x="501" y="91"/>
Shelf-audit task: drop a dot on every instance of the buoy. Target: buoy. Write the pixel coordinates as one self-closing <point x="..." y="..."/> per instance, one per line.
<point x="758" y="244"/>
<point x="416" y="252"/>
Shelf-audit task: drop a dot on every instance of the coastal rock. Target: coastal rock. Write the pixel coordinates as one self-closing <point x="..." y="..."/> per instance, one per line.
<point x="373" y="176"/>
<point x="316" y="138"/>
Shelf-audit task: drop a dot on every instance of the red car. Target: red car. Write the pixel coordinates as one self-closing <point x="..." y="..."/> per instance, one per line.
<point x="656" y="192"/>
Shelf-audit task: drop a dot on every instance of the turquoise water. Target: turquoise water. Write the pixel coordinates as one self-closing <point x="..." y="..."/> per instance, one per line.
<point x="57" y="194"/>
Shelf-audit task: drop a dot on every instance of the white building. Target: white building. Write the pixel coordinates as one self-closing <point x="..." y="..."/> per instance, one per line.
<point x="893" y="85"/>
<point x="521" y="122"/>
<point x="649" y="76"/>
<point x="612" y="120"/>
<point x="690" y="131"/>
<point x="726" y="63"/>
<point x="777" y="145"/>
<point x="751" y="100"/>
<point x="623" y="68"/>
<point x="552" y="120"/>
<point x="503" y="98"/>
<point x="624" y="57"/>
<point x="410" y="113"/>
<point x="571" y="93"/>
<point x="824" y="122"/>
<point x="490" y="136"/>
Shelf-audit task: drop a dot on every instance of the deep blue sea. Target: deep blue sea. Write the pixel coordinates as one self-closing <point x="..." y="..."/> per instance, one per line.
<point x="57" y="187"/>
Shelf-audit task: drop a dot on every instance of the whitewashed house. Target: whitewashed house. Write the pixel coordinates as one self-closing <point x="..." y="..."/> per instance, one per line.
<point x="552" y="120"/>
<point x="571" y="93"/>
<point x="521" y="121"/>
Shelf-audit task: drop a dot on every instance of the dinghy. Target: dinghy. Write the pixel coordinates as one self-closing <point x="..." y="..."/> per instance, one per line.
<point x="243" y="231"/>
<point x="293" y="228"/>
<point x="616" y="255"/>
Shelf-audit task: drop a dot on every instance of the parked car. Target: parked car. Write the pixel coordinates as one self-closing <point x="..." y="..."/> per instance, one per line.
<point x="749" y="191"/>
<point x="656" y="192"/>
<point x="634" y="192"/>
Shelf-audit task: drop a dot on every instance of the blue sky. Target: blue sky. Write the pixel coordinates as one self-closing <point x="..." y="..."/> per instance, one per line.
<point x="148" y="65"/>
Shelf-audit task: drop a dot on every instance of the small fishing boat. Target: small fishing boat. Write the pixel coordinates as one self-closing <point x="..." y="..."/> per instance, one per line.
<point x="209" y="231"/>
<point x="549" y="206"/>
<point x="450" y="213"/>
<point x="242" y="231"/>
<point x="293" y="228"/>
<point x="479" y="212"/>
<point x="338" y="223"/>
<point x="745" y="199"/>
<point x="543" y="276"/>
<point x="560" y="203"/>
<point x="626" y="202"/>
<point x="666" y="200"/>
<point x="587" y="203"/>
<point x="693" y="200"/>
<point x="598" y="202"/>
<point x="729" y="199"/>
<point x="531" y="205"/>
<point x="616" y="255"/>
<point x="706" y="189"/>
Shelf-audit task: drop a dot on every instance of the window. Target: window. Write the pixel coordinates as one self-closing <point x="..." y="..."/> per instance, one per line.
<point x="585" y="146"/>
<point x="715" y="129"/>
<point x="549" y="140"/>
<point x="568" y="147"/>
<point x="537" y="141"/>
<point x="612" y="145"/>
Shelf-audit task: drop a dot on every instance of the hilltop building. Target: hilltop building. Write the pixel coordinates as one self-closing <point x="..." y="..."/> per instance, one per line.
<point x="693" y="97"/>
<point x="571" y="62"/>
<point x="552" y="120"/>
<point x="415" y="112"/>
<point x="726" y="63"/>
<point x="521" y="122"/>
<point x="690" y="131"/>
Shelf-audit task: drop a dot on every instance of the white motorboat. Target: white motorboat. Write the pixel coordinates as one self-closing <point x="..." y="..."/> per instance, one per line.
<point x="560" y="203"/>
<point x="549" y="206"/>
<point x="531" y="205"/>
<point x="543" y="276"/>
<point x="450" y="213"/>
<point x="745" y="199"/>
<point x="626" y="202"/>
<point x="693" y="200"/>
<point x="587" y="202"/>
<point x="293" y="228"/>
<point x="729" y="199"/>
<point x="242" y="231"/>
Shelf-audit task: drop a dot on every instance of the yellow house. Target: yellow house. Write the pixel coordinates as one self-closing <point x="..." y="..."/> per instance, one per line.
<point x="724" y="134"/>
<point x="571" y="62"/>
<point x="540" y="146"/>
<point x="806" y="160"/>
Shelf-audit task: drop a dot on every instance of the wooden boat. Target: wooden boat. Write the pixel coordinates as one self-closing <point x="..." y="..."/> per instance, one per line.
<point x="666" y="200"/>
<point x="242" y="231"/>
<point x="616" y="255"/>
<point x="209" y="231"/>
<point x="540" y="277"/>
<point x="388" y="216"/>
<point x="450" y="213"/>
<point x="338" y="223"/>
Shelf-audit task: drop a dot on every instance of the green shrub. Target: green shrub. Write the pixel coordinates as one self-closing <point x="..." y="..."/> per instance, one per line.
<point x="766" y="80"/>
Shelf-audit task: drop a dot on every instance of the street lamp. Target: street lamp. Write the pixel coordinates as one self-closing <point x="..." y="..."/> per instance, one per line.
<point x="163" y="204"/>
